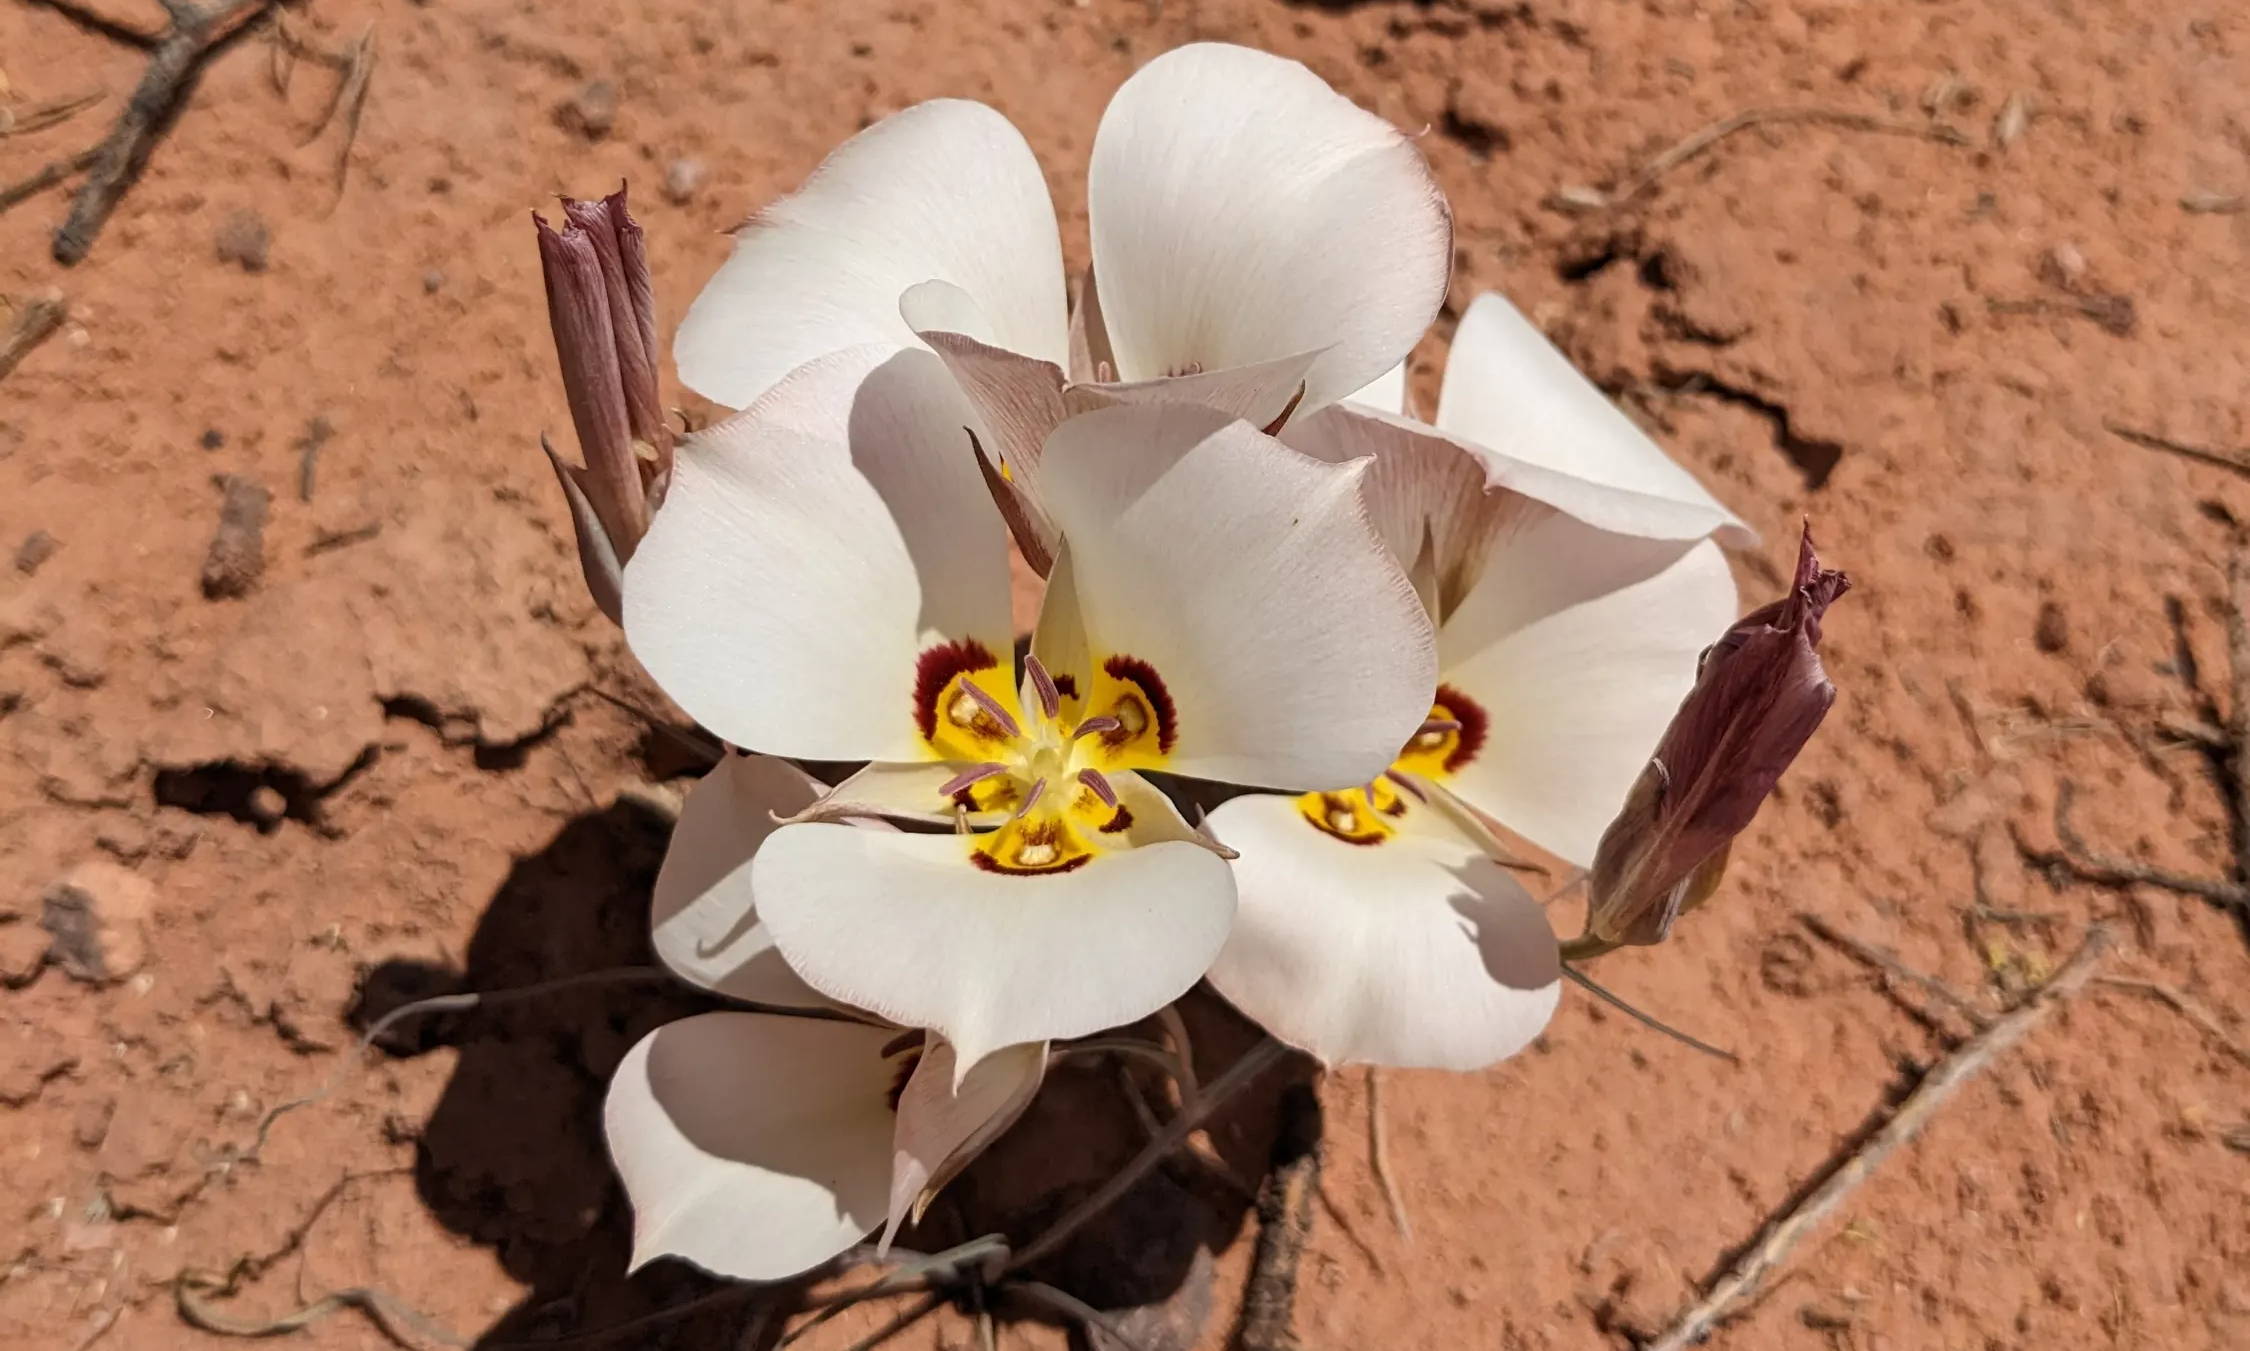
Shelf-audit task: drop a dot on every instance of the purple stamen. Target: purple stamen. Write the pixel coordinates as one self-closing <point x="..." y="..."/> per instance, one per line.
<point x="993" y="707"/>
<point x="1438" y="725"/>
<point x="972" y="775"/>
<point x="1038" y="788"/>
<point x="1099" y="782"/>
<point x="1050" y="698"/>
<point x="1100" y="726"/>
<point x="1404" y="782"/>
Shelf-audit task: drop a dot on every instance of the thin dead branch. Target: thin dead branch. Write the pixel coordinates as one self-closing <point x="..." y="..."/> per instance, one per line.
<point x="1379" y="1155"/>
<point x="2237" y="460"/>
<point x="395" y="1319"/>
<point x="1697" y="143"/>
<point x="2187" y="1008"/>
<point x="46" y="177"/>
<point x="2083" y="863"/>
<point x="35" y="323"/>
<point x="1782" y="1235"/>
<point x="173" y="64"/>
<point x="45" y="115"/>
<point x="1886" y="961"/>
<point x="1070" y="1306"/>
<point x="1285" y="1209"/>
<point x="98" y="24"/>
<point x="1253" y="1063"/>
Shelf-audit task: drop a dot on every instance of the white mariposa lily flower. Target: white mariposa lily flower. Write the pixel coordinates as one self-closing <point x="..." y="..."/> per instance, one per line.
<point x="1260" y="245"/>
<point x="756" y="1145"/>
<point x="828" y="581"/>
<point x="1567" y="564"/>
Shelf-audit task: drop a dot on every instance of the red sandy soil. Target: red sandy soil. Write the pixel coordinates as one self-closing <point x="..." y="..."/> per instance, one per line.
<point x="1918" y="344"/>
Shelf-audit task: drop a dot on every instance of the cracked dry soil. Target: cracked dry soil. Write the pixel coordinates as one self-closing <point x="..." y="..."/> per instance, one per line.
<point x="385" y="768"/>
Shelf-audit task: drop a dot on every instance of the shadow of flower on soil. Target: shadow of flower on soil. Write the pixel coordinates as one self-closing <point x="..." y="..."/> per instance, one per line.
<point x="512" y="1156"/>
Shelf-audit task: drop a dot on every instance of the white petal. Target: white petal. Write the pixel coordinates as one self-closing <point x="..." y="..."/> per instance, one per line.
<point x="1242" y="210"/>
<point x="811" y="549"/>
<point x="1578" y="645"/>
<point x="754" y="1146"/>
<point x="1550" y="434"/>
<point x="1430" y="498"/>
<point x="905" y="927"/>
<point x="946" y="190"/>
<point x="1386" y="393"/>
<point x="705" y="918"/>
<point x="1249" y="578"/>
<point x="1415" y="951"/>
<point x="1260" y="393"/>
<point x="944" y="1124"/>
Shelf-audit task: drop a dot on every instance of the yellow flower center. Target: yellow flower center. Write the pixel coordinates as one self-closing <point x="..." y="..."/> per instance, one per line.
<point x="1046" y="765"/>
<point x="1448" y="739"/>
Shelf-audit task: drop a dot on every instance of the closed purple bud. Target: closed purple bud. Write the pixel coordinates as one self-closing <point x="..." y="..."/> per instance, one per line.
<point x="1760" y="691"/>
<point x="618" y="243"/>
<point x="601" y="308"/>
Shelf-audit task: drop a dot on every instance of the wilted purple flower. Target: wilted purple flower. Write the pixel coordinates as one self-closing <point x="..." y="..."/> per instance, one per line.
<point x="1759" y="693"/>
<point x="603" y="313"/>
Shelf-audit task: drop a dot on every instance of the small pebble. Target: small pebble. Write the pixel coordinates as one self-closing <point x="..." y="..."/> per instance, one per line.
<point x="237" y="558"/>
<point x="212" y="438"/>
<point x="682" y="178"/>
<point x="97" y="916"/>
<point x="591" y="112"/>
<point x="2052" y="632"/>
<point x="243" y="240"/>
<point x="267" y="806"/>
<point x="433" y="281"/>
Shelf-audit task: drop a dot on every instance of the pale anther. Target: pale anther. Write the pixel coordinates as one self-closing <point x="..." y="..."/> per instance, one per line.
<point x="1099" y="782"/>
<point x="973" y="774"/>
<point x="1043" y="684"/>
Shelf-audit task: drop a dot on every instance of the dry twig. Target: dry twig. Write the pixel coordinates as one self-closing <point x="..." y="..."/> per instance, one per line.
<point x="2187" y="1008"/>
<point x="35" y="323"/>
<point x="1379" y="1155"/>
<point x="47" y="176"/>
<point x="2237" y="460"/>
<point x="173" y="63"/>
<point x="1700" y="141"/>
<point x="1883" y="959"/>
<point x="1284" y="1223"/>
<point x="1253" y="1063"/>
<point x="1782" y="1235"/>
<point x="45" y="115"/>
<point x="2082" y="862"/>
<point x="401" y="1324"/>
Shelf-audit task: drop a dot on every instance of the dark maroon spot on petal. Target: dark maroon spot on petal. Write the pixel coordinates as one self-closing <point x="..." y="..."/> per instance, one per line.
<point x="1474" y="724"/>
<point x="1397" y="807"/>
<point x="935" y="669"/>
<point x="992" y="865"/>
<point x="1143" y="677"/>
<point x="1123" y="820"/>
<point x="1066" y="686"/>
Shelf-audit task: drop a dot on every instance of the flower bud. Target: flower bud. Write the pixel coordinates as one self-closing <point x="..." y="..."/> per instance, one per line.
<point x="601" y="307"/>
<point x="1759" y="693"/>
